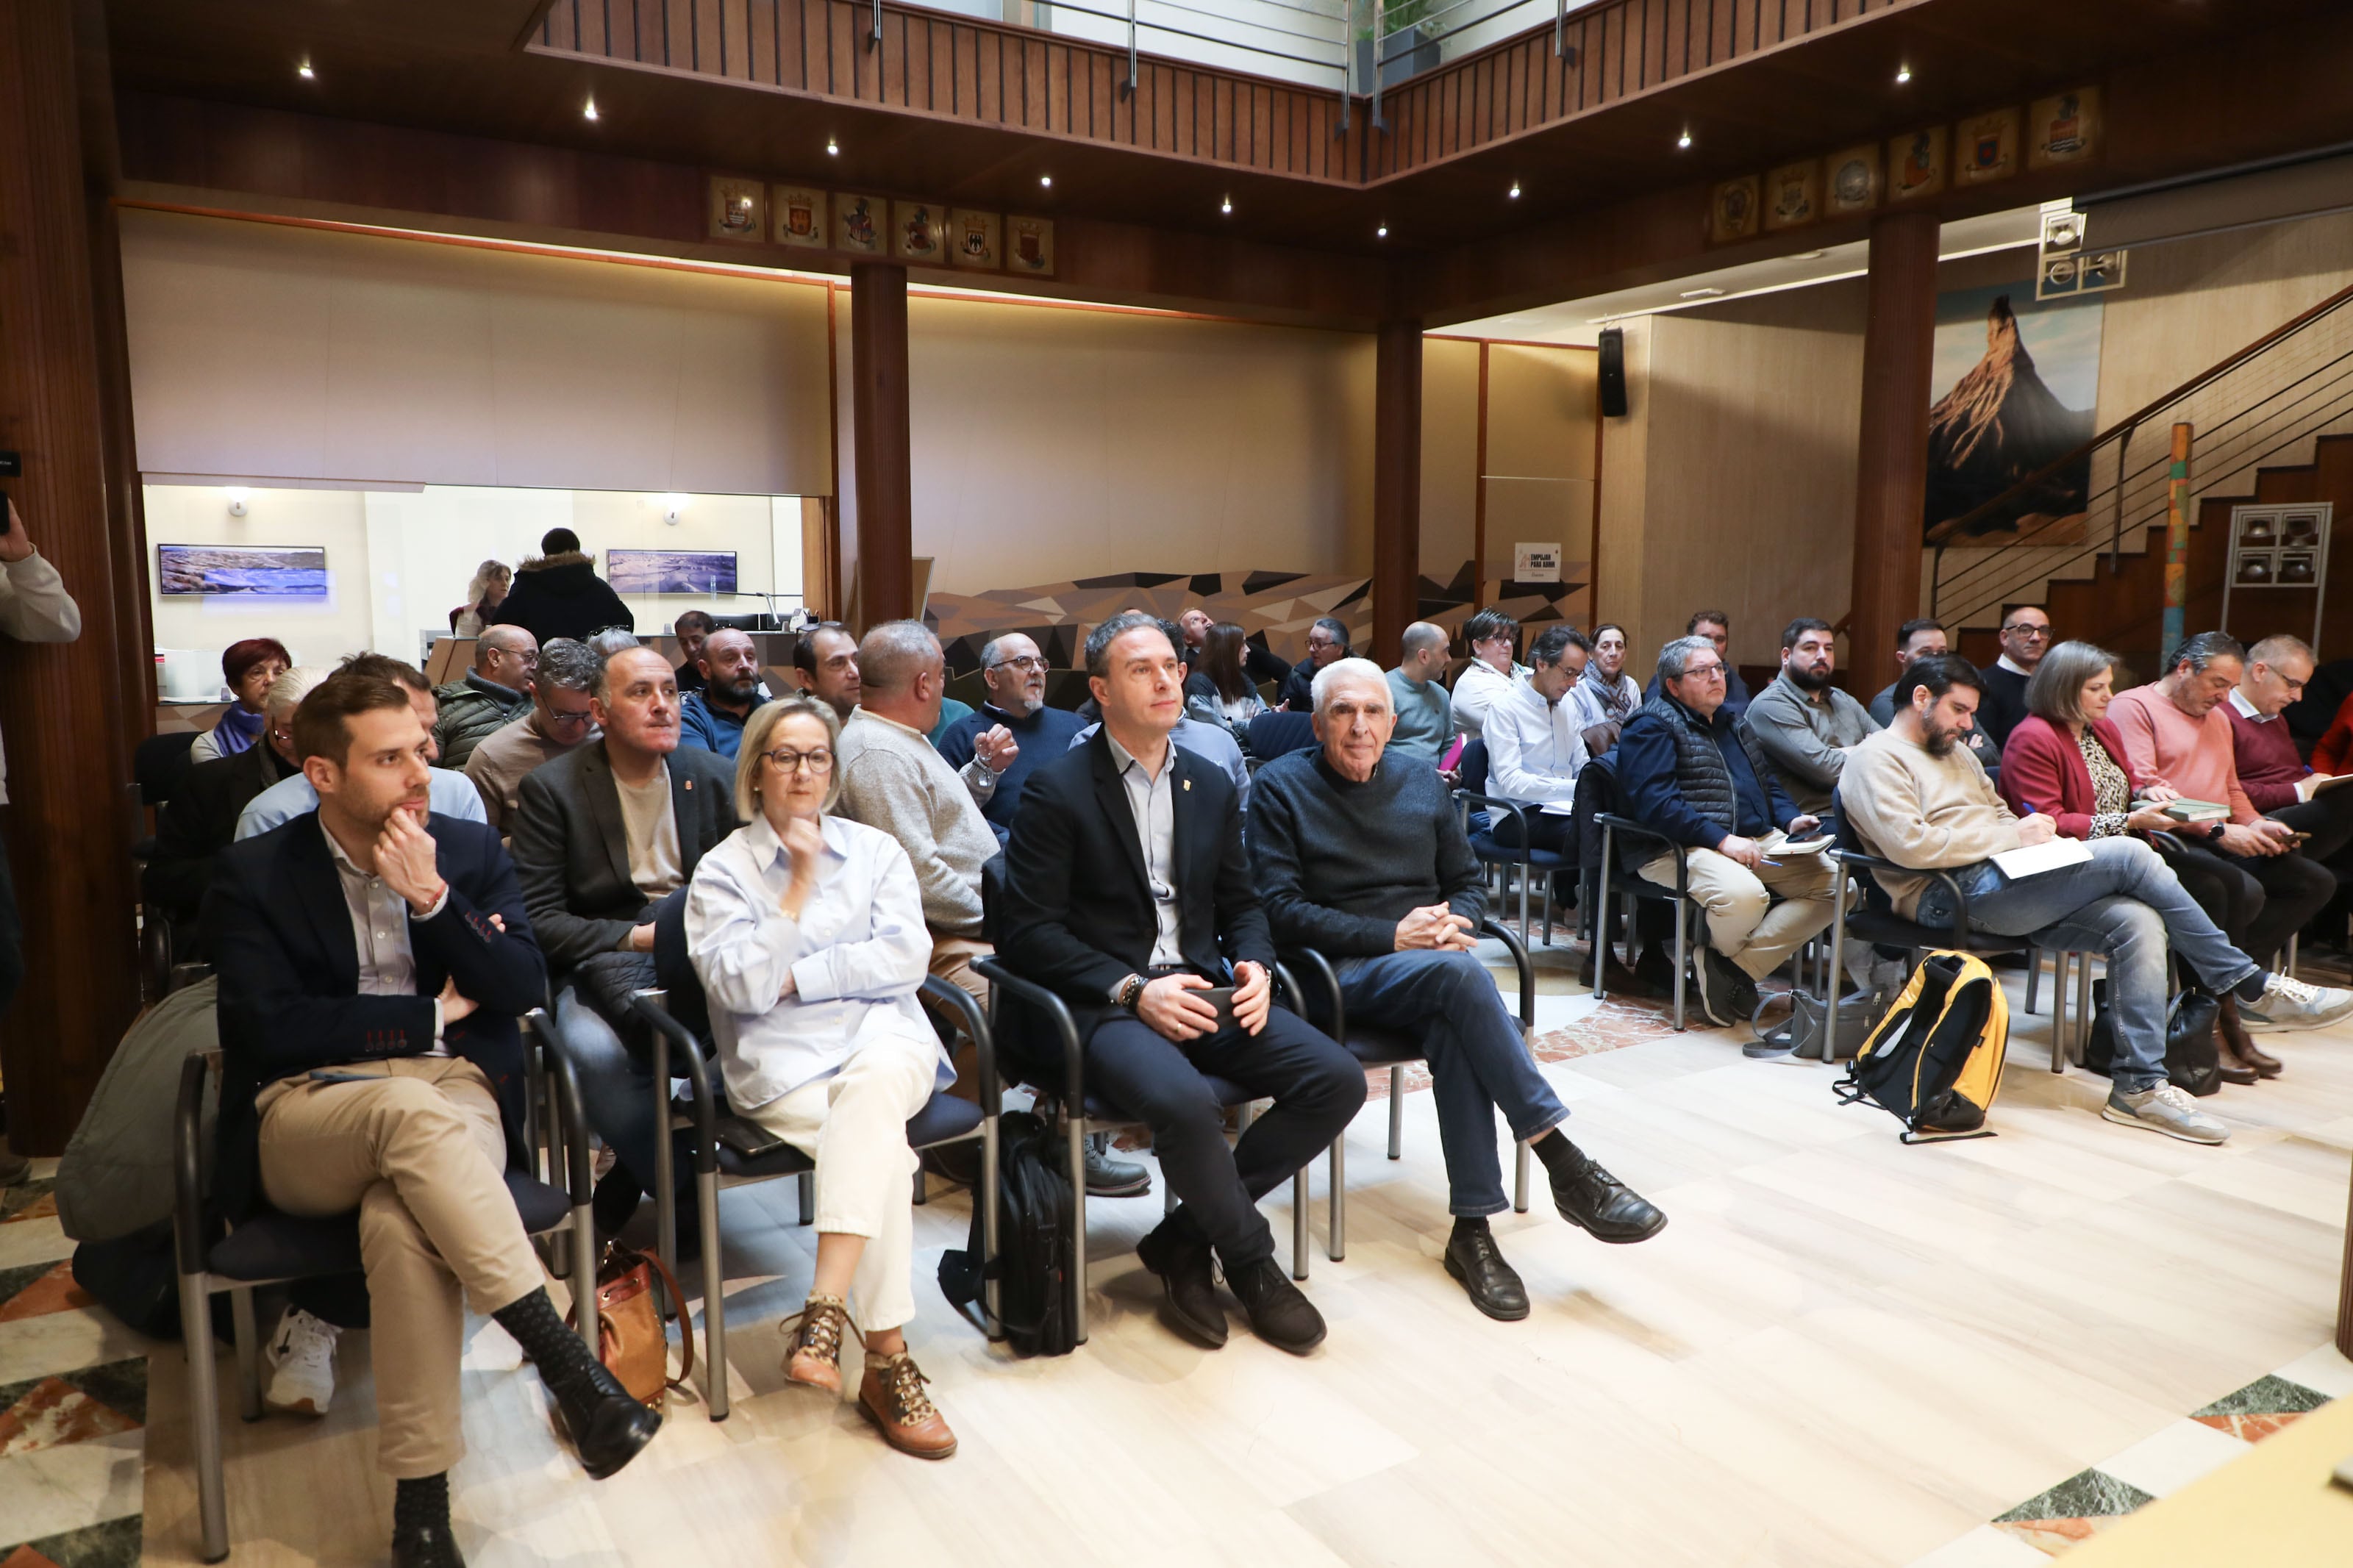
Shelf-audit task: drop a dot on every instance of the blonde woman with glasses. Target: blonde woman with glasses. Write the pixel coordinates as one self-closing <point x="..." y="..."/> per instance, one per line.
<point x="808" y="931"/>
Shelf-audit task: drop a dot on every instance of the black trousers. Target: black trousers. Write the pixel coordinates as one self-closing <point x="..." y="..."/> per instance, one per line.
<point x="1316" y="1086"/>
<point x="2258" y="902"/>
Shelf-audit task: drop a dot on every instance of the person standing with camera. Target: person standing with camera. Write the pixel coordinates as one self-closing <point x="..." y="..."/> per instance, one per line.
<point x="34" y="607"/>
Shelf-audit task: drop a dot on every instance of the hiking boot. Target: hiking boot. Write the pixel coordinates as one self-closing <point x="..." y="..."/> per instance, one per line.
<point x="892" y="1396"/>
<point x="2165" y="1110"/>
<point x="2289" y="1004"/>
<point x="814" y="1359"/>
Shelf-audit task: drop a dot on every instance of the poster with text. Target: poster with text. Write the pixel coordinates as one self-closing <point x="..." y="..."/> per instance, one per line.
<point x="2017" y="384"/>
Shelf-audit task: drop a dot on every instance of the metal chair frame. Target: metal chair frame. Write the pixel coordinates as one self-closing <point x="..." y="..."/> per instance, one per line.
<point x="1524" y="863"/>
<point x="702" y="1118"/>
<point x="1632" y="887"/>
<point x="198" y="1284"/>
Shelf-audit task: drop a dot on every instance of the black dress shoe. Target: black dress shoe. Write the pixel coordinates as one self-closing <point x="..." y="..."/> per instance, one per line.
<point x="1182" y="1262"/>
<point x="426" y="1546"/>
<point x="1590" y="1197"/>
<point x="1493" y="1284"/>
<point x="1279" y="1313"/>
<point x="609" y="1427"/>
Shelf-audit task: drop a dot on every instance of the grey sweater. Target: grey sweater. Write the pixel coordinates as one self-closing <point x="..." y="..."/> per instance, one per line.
<point x="1340" y="863"/>
<point x="1806" y="742"/>
<point x="894" y="780"/>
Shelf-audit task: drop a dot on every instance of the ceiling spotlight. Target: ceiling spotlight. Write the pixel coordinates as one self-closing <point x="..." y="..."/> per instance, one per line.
<point x="832" y="148"/>
<point x="1683" y="141"/>
<point x="305" y="72"/>
<point x="1903" y="75"/>
<point x="1046" y="180"/>
<point x="1382" y="232"/>
<point x="1515" y="192"/>
<point x="589" y="112"/>
<point x="1226" y="207"/>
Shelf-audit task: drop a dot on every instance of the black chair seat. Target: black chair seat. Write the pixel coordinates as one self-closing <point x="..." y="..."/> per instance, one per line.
<point x="1894" y="931"/>
<point x="943" y="1118"/>
<point x="1486" y="846"/>
<point x="1229" y="1093"/>
<point x="1382" y="1047"/>
<point x="273" y="1245"/>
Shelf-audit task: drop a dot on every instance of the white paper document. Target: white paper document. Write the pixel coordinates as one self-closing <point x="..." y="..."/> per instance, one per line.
<point x="2032" y="861"/>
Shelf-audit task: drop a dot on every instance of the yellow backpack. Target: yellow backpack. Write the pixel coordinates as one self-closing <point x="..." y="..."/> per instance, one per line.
<point x="1934" y="1060"/>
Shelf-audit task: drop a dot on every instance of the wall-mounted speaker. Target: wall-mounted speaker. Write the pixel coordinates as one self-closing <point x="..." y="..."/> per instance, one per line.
<point x="1613" y="372"/>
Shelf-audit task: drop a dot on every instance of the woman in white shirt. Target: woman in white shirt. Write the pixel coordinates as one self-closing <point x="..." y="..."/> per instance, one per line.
<point x="808" y="931"/>
<point x="1492" y="672"/>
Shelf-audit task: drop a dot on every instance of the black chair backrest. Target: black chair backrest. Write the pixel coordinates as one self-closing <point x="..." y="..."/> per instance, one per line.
<point x="675" y="970"/>
<point x="1597" y="791"/>
<point x="1273" y="734"/>
<point x="1471" y="767"/>
<point x="161" y="761"/>
<point x="1851" y="842"/>
<point x="992" y="898"/>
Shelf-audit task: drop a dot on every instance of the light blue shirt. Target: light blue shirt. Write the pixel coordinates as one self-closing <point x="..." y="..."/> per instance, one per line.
<point x="449" y="795"/>
<point x="1206" y="741"/>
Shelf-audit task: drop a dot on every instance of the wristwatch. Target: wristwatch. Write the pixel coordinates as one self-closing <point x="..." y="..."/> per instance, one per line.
<point x="1126" y="993"/>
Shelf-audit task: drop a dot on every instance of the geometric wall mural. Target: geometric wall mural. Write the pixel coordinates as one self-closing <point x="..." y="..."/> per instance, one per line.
<point x="1274" y="607"/>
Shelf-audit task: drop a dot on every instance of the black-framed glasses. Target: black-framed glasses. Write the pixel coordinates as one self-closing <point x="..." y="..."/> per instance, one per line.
<point x="1704" y="670"/>
<point x="2026" y="630"/>
<point x="1023" y="662"/>
<point x="582" y="717"/>
<point x="784" y="759"/>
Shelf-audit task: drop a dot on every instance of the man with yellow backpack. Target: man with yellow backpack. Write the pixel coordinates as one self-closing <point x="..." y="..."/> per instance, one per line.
<point x="1916" y="797"/>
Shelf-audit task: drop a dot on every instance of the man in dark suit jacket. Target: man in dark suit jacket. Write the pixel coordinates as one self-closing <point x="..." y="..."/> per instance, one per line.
<point x="373" y="961"/>
<point x="601" y="834"/>
<point x="1127" y="893"/>
<point x="200" y="819"/>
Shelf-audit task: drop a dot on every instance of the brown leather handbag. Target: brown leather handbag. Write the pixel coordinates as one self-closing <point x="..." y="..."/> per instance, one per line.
<point x="632" y="1333"/>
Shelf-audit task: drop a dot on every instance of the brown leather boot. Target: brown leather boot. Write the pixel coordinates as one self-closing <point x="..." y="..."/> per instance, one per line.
<point x="891" y="1395"/>
<point x="814" y="1358"/>
<point x="2240" y="1053"/>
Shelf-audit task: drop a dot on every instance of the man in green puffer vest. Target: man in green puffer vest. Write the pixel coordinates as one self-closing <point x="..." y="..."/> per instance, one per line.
<point x="494" y="693"/>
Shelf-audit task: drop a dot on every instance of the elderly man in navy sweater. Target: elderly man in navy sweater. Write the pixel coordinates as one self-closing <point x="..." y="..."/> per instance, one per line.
<point x="1361" y="856"/>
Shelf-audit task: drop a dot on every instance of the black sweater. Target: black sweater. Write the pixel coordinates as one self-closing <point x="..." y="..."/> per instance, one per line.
<point x="1340" y="863"/>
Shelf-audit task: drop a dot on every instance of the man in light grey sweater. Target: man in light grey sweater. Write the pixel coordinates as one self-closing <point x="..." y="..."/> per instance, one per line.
<point x="1802" y="722"/>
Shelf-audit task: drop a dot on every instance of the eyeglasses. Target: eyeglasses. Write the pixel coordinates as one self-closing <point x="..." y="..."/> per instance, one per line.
<point x="1023" y="662"/>
<point x="568" y="718"/>
<point x="1703" y="672"/>
<point x="2032" y="633"/>
<point x="784" y="759"/>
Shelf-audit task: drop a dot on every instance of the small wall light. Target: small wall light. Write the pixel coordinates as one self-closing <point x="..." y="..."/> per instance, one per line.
<point x="236" y="498"/>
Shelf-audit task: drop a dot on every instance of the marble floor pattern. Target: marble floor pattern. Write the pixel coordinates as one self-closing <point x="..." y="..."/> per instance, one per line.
<point x="1841" y="1351"/>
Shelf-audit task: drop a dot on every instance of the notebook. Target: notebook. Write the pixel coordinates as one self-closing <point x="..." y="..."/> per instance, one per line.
<point x="2033" y="859"/>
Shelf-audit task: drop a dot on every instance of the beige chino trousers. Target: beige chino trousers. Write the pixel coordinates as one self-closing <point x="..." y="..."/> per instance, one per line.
<point x="421" y="1152"/>
<point x="1744" y="922"/>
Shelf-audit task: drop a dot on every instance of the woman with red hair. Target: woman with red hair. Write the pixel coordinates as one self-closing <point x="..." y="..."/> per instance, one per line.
<point x="248" y="667"/>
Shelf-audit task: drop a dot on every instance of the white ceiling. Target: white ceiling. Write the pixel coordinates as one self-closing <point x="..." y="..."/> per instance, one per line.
<point x="1581" y="320"/>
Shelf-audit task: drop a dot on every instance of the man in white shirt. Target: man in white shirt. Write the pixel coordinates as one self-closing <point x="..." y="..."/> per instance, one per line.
<point x="452" y="793"/>
<point x="1491" y="672"/>
<point x="34" y="607"/>
<point x="1534" y="749"/>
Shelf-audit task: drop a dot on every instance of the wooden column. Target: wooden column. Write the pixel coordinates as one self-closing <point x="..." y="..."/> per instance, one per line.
<point x="1397" y="488"/>
<point x="878" y="392"/>
<point x="1892" y="461"/>
<point x="69" y="817"/>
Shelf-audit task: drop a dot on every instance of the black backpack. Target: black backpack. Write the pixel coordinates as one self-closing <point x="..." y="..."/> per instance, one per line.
<point x="1033" y="1233"/>
<point x="2192" y="1060"/>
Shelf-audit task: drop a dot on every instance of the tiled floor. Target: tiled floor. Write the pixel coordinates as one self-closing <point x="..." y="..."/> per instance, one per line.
<point x="1841" y="1351"/>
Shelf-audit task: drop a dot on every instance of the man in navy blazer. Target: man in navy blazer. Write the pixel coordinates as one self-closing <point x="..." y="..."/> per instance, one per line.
<point x="374" y="959"/>
<point x="1127" y="892"/>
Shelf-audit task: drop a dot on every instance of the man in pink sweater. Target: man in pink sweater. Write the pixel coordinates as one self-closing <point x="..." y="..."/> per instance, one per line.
<point x="2178" y="730"/>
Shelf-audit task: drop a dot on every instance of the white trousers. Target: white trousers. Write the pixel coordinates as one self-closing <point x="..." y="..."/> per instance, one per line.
<point x="854" y="1125"/>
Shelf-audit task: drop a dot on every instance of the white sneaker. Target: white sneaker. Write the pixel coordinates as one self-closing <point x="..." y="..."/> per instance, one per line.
<point x="302" y="1365"/>
<point x="2165" y="1108"/>
<point x="2292" y="1004"/>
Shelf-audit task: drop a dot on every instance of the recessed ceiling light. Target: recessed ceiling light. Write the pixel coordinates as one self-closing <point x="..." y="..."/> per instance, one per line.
<point x="1046" y="179"/>
<point x="832" y="148"/>
<point x="1903" y="75"/>
<point x="1382" y="232"/>
<point x="589" y="112"/>
<point x="1515" y="192"/>
<point x="1683" y="141"/>
<point x="1226" y="207"/>
<point x="1700" y="293"/>
<point x="305" y="72"/>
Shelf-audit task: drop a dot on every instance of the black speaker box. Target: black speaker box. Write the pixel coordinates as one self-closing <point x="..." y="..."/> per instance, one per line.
<point x="1613" y="372"/>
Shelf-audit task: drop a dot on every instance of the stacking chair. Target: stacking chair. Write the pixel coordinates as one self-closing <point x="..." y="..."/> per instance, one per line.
<point x="1379" y="1046"/>
<point x="271" y="1248"/>
<point x="1521" y="859"/>
<point x="1270" y="735"/>
<point x="680" y="1019"/>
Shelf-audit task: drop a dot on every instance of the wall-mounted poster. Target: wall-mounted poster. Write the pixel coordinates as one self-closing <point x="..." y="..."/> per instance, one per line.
<point x="1793" y="194"/>
<point x="859" y="223"/>
<point x="1852" y="185"/>
<point x="1915" y="165"/>
<point x="2017" y="384"/>
<point x="1985" y="148"/>
<point x="915" y="232"/>
<point x="241" y="569"/>
<point x="739" y="208"/>
<point x="976" y="239"/>
<point x="800" y="216"/>
<point x="670" y="571"/>
<point x="2064" y="128"/>
<point x="1732" y="210"/>
<point x="1030" y="246"/>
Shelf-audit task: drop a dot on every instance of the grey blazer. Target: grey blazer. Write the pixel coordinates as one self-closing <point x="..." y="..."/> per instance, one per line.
<point x="571" y="852"/>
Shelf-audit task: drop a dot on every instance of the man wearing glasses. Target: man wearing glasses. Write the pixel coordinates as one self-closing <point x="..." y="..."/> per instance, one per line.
<point x="2025" y="638"/>
<point x="556" y="722"/>
<point x="1014" y="720"/>
<point x="1688" y="772"/>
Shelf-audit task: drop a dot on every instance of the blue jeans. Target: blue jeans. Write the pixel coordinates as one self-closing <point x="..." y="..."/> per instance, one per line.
<point x="1477" y="1060"/>
<point x="2127" y="904"/>
<point x="616" y="1089"/>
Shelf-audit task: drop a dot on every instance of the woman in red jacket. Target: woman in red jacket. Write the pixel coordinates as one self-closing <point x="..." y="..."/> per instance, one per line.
<point x="2067" y="760"/>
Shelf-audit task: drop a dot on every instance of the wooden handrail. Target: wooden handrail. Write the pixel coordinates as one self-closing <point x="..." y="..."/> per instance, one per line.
<point x="1945" y="530"/>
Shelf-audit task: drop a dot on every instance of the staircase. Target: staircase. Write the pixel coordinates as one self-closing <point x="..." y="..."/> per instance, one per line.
<point x="2272" y="421"/>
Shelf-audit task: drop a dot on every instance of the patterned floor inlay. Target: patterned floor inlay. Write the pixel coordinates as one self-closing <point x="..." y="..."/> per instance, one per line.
<point x="2072" y="1511"/>
<point x="114" y="1545"/>
<point x="37" y="1289"/>
<point x="2261" y="1408"/>
<point x="34" y="1199"/>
